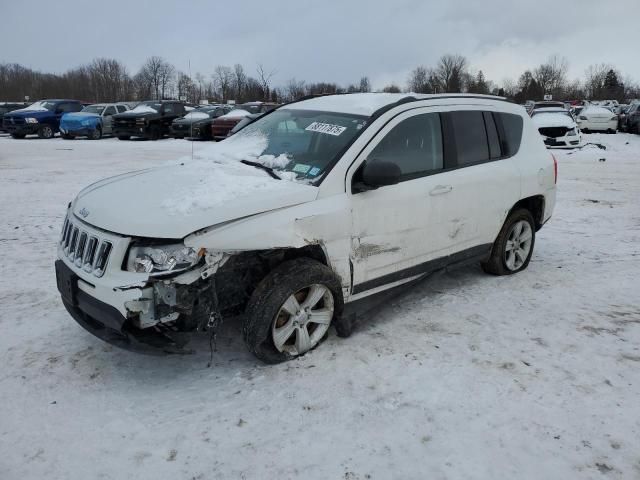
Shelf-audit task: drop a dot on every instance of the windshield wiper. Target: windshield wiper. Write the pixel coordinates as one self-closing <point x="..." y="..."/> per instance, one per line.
<point x="269" y="170"/>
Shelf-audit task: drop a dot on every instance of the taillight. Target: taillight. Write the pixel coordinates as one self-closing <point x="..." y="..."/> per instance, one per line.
<point x="555" y="169"/>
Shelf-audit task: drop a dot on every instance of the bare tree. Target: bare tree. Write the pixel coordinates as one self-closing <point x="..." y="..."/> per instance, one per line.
<point x="450" y="73"/>
<point x="365" y="85"/>
<point x="295" y="89"/>
<point x="392" y="88"/>
<point x="551" y="76"/>
<point x="264" y="77"/>
<point x="222" y="78"/>
<point x="239" y="82"/>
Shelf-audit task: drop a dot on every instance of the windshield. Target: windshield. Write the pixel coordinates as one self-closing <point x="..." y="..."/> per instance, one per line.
<point x="301" y="142"/>
<point x="94" y="109"/>
<point x="44" y="105"/>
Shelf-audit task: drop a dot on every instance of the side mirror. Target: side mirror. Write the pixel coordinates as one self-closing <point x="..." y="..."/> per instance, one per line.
<point x="379" y="173"/>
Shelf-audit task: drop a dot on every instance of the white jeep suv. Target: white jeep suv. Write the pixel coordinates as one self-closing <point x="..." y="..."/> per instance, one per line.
<point x="301" y="217"/>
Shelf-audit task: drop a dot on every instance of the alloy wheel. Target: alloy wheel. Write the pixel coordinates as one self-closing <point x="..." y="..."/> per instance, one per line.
<point x="518" y="245"/>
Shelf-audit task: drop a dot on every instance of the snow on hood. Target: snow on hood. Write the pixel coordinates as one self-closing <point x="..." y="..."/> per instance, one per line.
<point x="237" y="113"/>
<point x="177" y="200"/>
<point x="542" y="120"/>
<point x="34" y="107"/>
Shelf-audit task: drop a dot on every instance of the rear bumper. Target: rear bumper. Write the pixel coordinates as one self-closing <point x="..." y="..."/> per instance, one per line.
<point x="107" y="322"/>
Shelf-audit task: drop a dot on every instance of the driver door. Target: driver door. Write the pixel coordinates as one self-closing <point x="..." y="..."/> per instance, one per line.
<point x="394" y="228"/>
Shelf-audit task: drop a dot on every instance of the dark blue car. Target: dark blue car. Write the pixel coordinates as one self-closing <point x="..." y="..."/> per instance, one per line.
<point x="41" y="118"/>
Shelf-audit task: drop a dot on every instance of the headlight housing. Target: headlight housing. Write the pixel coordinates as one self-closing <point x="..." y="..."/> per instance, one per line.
<point x="161" y="259"/>
<point x="31" y="120"/>
<point x="572" y="132"/>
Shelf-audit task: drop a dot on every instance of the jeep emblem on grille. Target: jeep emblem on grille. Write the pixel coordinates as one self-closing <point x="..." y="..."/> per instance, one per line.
<point x="84" y="212"/>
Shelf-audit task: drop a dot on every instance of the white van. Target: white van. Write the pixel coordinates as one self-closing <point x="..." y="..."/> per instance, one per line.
<point x="303" y="215"/>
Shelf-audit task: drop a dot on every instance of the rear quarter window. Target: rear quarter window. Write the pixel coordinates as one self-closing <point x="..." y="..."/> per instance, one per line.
<point x="510" y="130"/>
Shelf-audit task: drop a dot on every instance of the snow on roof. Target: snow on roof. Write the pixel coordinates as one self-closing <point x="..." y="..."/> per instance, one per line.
<point x="366" y="103"/>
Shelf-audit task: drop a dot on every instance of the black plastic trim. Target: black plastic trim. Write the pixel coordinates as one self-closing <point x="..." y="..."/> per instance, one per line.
<point x="470" y="255"/>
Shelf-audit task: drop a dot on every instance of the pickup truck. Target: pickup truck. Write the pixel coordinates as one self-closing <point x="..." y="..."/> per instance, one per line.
<point x="41" y="118"/>
<point x="151" y="119"/>
<point x="6" y="107"/>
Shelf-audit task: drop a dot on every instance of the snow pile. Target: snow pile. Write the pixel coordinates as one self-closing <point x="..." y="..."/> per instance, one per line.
<point x="224" y="178"/>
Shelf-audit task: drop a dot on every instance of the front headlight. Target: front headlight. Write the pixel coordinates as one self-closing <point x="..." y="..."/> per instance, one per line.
<point x="31" y="120"/>
<point x="571" y="132"/>
<point x="161" y="259"/>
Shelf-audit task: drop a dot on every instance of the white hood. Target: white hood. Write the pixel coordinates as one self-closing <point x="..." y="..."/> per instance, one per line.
<point x="174" y="201"/>
<point x="546" y="120"/>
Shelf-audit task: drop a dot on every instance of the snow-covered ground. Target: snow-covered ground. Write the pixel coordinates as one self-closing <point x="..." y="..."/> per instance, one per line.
<point x="534" y="376"/>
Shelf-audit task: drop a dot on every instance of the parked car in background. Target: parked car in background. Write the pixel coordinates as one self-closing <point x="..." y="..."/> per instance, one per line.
<point x="557" y="127"/>
<point x="41" y="118"/>
<point x="197" y="123"/>
<point x="547" y="104"/>
<point x="7" y="107"/>
<point x="243" y="123"/>
<point x="93" y="121"/>
<point x="151" y="119"/>
<point x="630" y="120"/>
<point x="223" y="125"/>
<point x="597" y="119"/>
<point x="303" y="214"/>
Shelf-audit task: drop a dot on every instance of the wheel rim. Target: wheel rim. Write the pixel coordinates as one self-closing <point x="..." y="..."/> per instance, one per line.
<point x="46" y="132"/>
<point x="303" y="319"/>
<point x="518" y="245"/>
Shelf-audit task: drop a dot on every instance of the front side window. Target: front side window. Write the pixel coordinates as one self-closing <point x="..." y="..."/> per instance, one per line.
<point x="111" y="110"/>
<point x="121" y="108"/>
<point x="470" y="137"/>
<point x="414" y="144"/>
<point x="94" y="109"/>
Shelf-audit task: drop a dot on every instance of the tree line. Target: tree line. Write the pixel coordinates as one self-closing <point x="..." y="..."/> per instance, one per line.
<point x="105" y="79"/>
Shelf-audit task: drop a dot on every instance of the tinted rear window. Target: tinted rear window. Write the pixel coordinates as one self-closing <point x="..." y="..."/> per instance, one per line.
<point x="470" y="137"/>
<point x="511" y="134"/>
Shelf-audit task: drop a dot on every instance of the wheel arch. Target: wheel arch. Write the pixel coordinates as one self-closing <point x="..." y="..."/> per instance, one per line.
<point x="536" y="205"/>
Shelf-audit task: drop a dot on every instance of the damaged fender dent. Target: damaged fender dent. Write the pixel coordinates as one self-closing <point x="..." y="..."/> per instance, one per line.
<point x="362" y="250"/>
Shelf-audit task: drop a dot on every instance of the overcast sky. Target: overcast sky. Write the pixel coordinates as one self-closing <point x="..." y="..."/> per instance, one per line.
<point x="328" y="40"/>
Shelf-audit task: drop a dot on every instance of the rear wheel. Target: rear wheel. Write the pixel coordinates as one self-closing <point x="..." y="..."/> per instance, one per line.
<point x="45" y="131"/>
<point x="513" y="248"/>
<point x="155" y="133"/>
<point x="291" y="310"/>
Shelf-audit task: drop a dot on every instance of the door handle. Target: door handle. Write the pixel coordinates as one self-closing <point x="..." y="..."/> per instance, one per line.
<point x="440" y="189"/>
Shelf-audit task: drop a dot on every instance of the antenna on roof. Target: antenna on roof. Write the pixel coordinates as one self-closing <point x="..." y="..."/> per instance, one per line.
<point x="191" y="124"/>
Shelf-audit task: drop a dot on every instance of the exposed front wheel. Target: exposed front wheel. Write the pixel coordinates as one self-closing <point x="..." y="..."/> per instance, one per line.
<point x="291" y="310"/>
<point x="513" y="248"/>
<point x="45" y="131"/>
<point x="95" y="134"/>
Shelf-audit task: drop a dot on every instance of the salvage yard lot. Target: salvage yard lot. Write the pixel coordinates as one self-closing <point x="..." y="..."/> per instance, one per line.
<point x="532" y="376"/>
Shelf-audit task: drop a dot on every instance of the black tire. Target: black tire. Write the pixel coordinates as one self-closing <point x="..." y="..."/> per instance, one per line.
<point x="497" y="264"/>
<point x="269" y="296"/>
<point x="18" y="135"/>
<point x="66" y="136"/>
<point x="124" y="137"/>
<point x="95" y="134"/>
<point x="155" y="133"/>
<point x="45" y="131"/>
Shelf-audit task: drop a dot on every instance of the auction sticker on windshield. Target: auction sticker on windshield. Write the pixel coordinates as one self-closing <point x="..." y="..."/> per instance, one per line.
<point x="326" y="128"/>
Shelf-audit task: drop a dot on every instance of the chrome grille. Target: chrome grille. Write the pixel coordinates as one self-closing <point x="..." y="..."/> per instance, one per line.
<point x="85" y="249"/>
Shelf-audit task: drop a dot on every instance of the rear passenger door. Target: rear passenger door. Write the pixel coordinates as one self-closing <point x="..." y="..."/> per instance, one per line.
<point x="483" y="182"/>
